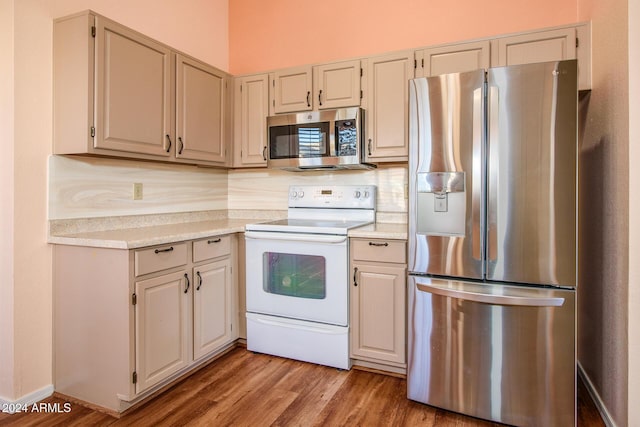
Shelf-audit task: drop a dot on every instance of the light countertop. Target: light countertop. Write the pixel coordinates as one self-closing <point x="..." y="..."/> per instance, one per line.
<point x="132" y="238"/>
<point x="125" y="234"/>
<point x="381" y="230"/>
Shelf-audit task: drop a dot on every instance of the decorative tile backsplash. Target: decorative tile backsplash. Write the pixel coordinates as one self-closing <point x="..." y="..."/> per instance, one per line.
<point x="88" y="187"/>
<point x="267" y="189"/>
<point x="92" y="187"/>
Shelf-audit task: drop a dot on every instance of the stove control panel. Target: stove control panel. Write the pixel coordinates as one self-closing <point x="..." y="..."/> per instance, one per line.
<point x="332" y="196"/>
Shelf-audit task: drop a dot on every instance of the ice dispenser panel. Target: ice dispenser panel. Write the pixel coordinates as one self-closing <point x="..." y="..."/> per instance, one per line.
<point x="441" y="203"/>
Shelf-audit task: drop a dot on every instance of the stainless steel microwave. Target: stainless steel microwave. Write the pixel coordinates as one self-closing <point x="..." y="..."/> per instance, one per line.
<point x="327" y="139"/>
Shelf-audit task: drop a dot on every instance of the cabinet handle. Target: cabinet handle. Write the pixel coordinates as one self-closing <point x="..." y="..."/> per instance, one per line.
<point x="186" y="277"/>
<point x="199" y="280"/>
<point x="214" y="241"/>
<point x="320" y="97"/>
<point x="308" y="101"/>
<point x="369" y="146"/>
<point x="181" y="145"/>
<point x="355" y="273"/>
<point x="378" y="244"/>
<point x="164" y="250"/>
<point x="264" y="153"/>
<point x="169" y="139"/>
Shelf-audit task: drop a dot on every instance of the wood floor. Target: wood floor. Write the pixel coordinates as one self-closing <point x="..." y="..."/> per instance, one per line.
<point x="246" y="389"/>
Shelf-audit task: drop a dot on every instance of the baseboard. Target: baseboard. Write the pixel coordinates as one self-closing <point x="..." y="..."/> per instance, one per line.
<point x="13" y="406"/>
<point x="604" y="413"/>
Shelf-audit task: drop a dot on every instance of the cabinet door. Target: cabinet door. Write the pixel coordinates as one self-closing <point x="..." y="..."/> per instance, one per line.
<point x="162" y="325"/>
<point x="456" y="58"/>
<point x="292" y="90"/>
<point x="251" y="111"/>
<point x="337" y="84"/>
<point x="212" y="301"/>
<point x="200" y="106"/>
<point x="542" y="46"/>
<point x="378" y="312"/>
<point x="388" y="106"/>
<point x="133" y="111"/>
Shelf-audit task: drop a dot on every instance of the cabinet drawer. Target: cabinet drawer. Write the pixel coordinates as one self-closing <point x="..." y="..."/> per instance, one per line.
<point x="211" y="247"/>
<point x="379" y="250"/>
<point x="160" y="258"/>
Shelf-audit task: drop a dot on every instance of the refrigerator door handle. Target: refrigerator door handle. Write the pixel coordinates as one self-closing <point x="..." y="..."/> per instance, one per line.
<point x="493" y="172"/>
<point x="476" y="177"/>
<point x="488" y="298"/>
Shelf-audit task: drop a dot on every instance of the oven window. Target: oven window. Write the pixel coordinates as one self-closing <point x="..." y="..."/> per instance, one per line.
<point x="294" y="275"/>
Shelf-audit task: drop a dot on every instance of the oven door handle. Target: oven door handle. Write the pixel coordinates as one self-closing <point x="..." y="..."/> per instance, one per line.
<point x="295" y="237"/>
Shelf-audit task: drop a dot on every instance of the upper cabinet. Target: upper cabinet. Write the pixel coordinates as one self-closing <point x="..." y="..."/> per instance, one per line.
<point x="333" y="85"/>
<point x="534" y="47"/>
<point x="454" y="58"/>
<point x="133" y="91"/>
<point x="120" y="93"/>
<point x="251" y="108"/>
<point x="337" y="84"/>
<point x="387" y="106"/>
<point x="200" y="111"/>
<point x="292" y="90"/>
<point x="549" y="45"/>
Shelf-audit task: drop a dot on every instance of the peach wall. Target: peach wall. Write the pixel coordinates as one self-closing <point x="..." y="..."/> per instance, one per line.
<point x="6" y="201"/>
<point x="634" y="212"/>
<point x="197" y="27"/>
<point x="266" y="35"/>
<point x="607" y="200"/>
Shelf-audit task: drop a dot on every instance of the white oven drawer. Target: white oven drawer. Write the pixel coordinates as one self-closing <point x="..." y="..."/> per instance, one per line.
<point x="298" y="276"/>
<point x="300" y="340"/>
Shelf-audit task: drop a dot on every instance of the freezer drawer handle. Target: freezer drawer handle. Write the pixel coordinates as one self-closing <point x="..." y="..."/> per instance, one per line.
<point x="491" y="299"/>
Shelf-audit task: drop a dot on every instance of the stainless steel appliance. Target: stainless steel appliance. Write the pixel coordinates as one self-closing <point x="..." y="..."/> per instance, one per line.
<point x="297" y="282"/>
<point x="327" y="139"/>
<point x="492" y="243"/>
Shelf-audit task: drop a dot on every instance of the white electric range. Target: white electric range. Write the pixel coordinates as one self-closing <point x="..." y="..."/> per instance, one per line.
<point x="297" y="279"/>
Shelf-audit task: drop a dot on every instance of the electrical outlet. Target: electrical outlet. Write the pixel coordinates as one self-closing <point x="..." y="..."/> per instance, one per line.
<point x="137" y="191"/>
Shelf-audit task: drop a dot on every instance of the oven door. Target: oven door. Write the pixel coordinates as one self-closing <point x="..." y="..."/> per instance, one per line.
<point x="298" y="276"/>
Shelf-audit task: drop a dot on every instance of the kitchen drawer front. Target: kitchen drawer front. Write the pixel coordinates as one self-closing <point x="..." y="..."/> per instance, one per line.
<point x="160" y="258"/>
<point x="379" y="250"/>
<point x="211" y="247"/>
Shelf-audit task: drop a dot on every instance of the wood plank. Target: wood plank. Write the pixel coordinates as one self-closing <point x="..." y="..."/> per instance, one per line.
<point x="243" y="388"/>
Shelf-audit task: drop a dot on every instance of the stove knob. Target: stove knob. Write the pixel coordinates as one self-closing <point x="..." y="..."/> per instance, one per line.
<point x="301" y="194"/>
<point x="294" y="194"/>
<point x="356" y="194"/>
<point x="366" y="194"/>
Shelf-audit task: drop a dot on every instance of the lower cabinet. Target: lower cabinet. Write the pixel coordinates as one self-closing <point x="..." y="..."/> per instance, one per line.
<point x="127" y="322"/>
<point x="378" y="303"/>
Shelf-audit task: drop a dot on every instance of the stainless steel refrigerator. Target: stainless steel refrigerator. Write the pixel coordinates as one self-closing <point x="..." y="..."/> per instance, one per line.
<point x="492" y="243"/>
